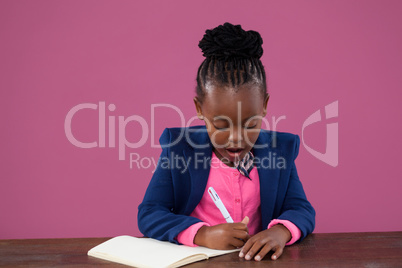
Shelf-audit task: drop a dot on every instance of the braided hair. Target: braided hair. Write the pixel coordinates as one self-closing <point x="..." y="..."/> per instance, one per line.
<point x="232" y="57"/>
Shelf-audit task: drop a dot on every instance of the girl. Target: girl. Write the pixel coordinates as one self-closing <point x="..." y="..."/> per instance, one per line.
<point x="252" y="170"/>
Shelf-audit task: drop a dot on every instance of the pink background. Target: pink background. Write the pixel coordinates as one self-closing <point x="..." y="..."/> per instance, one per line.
<point x="55" y="55"/>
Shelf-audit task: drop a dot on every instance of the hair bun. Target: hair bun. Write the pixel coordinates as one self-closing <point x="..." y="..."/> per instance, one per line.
<point x="231" y="41"/>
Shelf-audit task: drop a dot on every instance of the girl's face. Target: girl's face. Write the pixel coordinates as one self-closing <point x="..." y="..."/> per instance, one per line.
<point x="233" y="119"/>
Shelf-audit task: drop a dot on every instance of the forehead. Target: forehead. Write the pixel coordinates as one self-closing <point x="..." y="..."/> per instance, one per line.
<point x="245" y="101"/>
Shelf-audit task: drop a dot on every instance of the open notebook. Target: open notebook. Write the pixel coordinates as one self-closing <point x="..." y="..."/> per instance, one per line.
<point x="151" y="253"/>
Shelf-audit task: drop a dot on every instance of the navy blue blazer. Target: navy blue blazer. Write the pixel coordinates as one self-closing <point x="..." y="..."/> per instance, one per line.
<point x="180" y="179"/>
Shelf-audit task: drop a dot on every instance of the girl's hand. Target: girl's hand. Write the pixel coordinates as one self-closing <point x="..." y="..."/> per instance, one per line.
<point x="223" y="236"/>
<point x="273" y="238"/>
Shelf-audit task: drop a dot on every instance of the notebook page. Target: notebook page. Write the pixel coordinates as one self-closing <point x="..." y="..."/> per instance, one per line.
<point x="148" y="252"/>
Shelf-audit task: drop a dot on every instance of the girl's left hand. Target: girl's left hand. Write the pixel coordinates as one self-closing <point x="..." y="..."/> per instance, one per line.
<point x="273" y="238"/>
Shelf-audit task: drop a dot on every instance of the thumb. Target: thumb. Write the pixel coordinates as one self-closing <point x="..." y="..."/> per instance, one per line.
<point x="245" y="220"/>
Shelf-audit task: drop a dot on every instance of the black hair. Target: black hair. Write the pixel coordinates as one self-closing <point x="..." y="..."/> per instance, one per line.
<point x="232" y="57"/>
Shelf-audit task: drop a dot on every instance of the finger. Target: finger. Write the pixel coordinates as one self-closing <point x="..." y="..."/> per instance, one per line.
<point x="237" y="243"/>
<point x="246" y="220"/>
<point x="278" y="253"/>
<point x="240" y="234"/>
<point x="246" y="248"/>
<point x="240" y="226"/>
<point x="247" y="230"/>
<point x="263" y="252"/>
<point x="254" y="250"/>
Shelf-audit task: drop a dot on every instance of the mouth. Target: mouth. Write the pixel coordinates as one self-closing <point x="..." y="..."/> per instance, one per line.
<point x="234" y="152"/>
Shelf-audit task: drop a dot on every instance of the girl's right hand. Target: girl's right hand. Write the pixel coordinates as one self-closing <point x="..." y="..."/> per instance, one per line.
<point x="223" y="236"/>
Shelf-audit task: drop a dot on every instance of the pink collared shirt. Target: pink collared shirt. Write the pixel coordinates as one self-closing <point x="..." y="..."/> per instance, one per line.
<point x="241" y="197"/>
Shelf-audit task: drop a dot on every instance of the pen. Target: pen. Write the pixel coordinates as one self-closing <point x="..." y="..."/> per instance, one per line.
<point x="219" y="205"/>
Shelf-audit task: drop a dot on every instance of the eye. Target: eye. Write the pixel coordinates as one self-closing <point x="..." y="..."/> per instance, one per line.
<point x="221" y="124"/>
<point x="249" y="127"/>
<point x="221" y="128"/>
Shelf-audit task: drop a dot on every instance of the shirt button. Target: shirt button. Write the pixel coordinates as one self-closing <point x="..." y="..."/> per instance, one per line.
<point x="235" y="173"/>
<point x="237" y="200"/>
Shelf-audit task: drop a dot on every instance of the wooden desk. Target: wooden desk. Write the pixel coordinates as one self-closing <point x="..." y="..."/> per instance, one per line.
<point x="317" y="250"/>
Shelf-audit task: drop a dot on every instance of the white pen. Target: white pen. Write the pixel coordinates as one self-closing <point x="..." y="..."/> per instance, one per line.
<point x="219" y="205"/>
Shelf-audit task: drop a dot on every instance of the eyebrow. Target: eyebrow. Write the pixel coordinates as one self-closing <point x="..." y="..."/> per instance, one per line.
<point x="219" y="117"/>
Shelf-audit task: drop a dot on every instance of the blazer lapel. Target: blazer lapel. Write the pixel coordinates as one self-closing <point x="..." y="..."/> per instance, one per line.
<point x="198" y="156"/>
<point x="268" y="174"/>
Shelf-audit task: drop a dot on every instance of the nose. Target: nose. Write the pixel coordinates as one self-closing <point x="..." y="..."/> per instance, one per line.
<point x="236" y="136"/>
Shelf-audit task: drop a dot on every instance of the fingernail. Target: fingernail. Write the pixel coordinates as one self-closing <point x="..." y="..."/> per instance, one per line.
<point x="258" y="258"/>
<point x="248" y="257"/>
<point x="241" y="254"/>
<point x="274" y="257"/>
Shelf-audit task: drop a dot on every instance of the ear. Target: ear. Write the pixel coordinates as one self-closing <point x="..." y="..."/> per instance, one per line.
<point x="265" y="105"/>
<point x="198" y="108"/>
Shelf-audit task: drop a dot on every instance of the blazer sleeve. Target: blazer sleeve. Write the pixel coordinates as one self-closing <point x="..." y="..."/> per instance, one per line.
<point x="157" y="217"/>
<point x="296" y="208"/>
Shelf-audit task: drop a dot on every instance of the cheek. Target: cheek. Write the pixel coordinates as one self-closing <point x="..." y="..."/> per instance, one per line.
<point x="251" y="137"/>
<point x="219" y="137"/>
